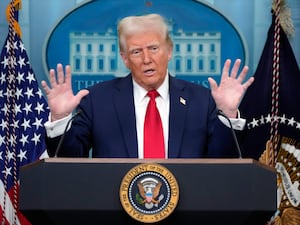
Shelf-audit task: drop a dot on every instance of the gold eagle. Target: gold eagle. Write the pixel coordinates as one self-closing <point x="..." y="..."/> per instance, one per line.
<point x="155" y="192"/>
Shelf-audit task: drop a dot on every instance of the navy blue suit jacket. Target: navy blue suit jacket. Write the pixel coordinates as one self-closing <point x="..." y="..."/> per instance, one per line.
<point x="107" y="123"/>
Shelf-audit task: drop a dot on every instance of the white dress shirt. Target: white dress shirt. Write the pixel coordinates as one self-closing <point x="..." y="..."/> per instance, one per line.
<point x="163" y="104"/>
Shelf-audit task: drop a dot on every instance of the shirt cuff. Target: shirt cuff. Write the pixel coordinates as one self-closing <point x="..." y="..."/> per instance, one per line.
<point x="237" y="123"/>
<point x="56" y="128"/>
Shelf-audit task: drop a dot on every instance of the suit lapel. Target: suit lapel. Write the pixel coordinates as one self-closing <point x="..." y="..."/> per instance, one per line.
<point x="179" y="100"/>
<point x="124" y="105"/>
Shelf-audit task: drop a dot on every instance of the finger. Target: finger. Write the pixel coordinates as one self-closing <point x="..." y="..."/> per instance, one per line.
<point x="248" y="83"/>
<point x="225" y="71"/>
<point x="68" y="74"/>
<point x="52" y="78"/>
<point x="235" y="68"/>
<point x="79" y="96"/>
<point x="60" y="74"/>
<point x="212" y="83"/>
<point x="45" y="87"/>
<point x="82" y="93"/>
<point x="243" y="74"/>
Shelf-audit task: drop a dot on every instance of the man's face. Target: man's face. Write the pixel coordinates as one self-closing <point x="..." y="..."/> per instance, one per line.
<point x="146" y="55"/>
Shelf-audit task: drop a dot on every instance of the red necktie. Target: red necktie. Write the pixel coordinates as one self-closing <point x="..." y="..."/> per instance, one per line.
<point x="154" y="146"/>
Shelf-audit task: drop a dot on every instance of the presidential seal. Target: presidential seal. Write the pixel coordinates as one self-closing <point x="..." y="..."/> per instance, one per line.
<point x="149" y="193"/>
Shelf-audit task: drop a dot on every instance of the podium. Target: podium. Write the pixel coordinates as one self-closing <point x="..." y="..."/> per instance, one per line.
<point x="71" y="191"/>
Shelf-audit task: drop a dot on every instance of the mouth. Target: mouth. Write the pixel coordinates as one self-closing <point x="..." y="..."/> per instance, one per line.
<point x="149" y="72"/>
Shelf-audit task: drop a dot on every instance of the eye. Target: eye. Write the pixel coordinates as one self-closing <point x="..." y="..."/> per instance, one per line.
<point x="135" y="52"/>
<point x="154" y="48"/>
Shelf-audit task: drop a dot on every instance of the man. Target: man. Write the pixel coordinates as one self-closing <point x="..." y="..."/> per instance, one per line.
<point x="112" y="113"/>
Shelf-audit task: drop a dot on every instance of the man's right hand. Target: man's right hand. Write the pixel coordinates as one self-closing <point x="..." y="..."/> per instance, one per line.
<point x="61" y="99"/>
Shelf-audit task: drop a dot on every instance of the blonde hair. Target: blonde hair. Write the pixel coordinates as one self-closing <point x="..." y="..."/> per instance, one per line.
<point x="133" y="24"/>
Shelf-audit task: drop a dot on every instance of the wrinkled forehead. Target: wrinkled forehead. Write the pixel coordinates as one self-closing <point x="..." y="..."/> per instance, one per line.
<point x="147" y="26"/>
<point x="142" y="38"/>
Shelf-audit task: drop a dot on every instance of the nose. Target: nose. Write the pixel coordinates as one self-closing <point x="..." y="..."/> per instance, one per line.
<point x="146" y="56"/>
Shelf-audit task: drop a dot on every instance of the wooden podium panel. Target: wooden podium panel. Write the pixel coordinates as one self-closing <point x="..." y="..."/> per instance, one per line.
<point x="85" y="191"/>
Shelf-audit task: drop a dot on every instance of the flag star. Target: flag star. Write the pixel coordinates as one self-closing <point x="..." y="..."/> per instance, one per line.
<point x="298" y="125"/>
<point x="1" y="94"/>
<point x="1" y="156"/>
<point x="24" y="139"/>
<point x="19" y="93"/>
<point x="39" y="107"/>
<point x="21" y="62"/>
<point x="26" y="124"/>
<point x="27" y="108"/>
<point x="15" y="124"/>
<point x="254" y="123"/>
<point x="10" y="156"/>
<point x="16" y="45"/>
<point x="36" y="138"/>
<point x="291" y="121"/>
<point x="7" y="171"/>
<point x="5" y="109"/>
<point x="5" y="61"/>
<point x="29" y="93"/>
<point x="22" y="47"/>
<point x="7" y="46"/>
<point x="283" y="119"/>
<point x="262" y="120"/>
<point x="3" y="124"/>
<point x="22" y="155"/>
<point x="39" y="93"/>
<point x="38" y="123"/>
<point x="30" y="77"/>
<point x="20" y="77"/>
<point x="268" y="118"/>
<point x="17" y="108"/>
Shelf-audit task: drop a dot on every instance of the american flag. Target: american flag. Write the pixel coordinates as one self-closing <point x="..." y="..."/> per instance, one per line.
<point x="23" y="112"/>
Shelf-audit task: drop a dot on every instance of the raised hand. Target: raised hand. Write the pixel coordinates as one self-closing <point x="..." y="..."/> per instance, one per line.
<point x="61" y="99"/>
<point x="231" y="89"/>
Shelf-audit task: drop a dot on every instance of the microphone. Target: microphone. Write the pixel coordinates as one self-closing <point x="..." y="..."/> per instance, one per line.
<point x="64" y="133"/>
<point x="233" y="133"/>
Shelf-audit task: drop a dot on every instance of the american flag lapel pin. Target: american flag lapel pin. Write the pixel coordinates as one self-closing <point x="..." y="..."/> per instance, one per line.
<point x="182" y="100"/>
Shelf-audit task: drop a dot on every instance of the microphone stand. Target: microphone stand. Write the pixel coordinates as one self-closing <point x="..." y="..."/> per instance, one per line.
<point x="64" y="133"/>
<point x="233" y="133"/>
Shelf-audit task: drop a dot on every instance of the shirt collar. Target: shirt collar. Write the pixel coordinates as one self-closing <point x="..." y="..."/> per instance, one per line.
<point x="140" y="93"/>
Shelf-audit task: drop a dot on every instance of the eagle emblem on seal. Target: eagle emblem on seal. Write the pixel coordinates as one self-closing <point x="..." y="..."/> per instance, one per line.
<point x="149" y="192"/>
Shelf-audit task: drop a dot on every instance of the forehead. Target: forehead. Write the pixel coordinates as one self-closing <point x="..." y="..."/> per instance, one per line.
<point x="144" y="39"/>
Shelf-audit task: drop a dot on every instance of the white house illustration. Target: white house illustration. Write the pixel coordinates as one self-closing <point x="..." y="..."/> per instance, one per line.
<point x="194" y="54"/>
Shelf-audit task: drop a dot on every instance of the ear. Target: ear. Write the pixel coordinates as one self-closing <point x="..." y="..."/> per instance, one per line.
<point x="170" y="53"/>
<point x="124" y="58"/>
